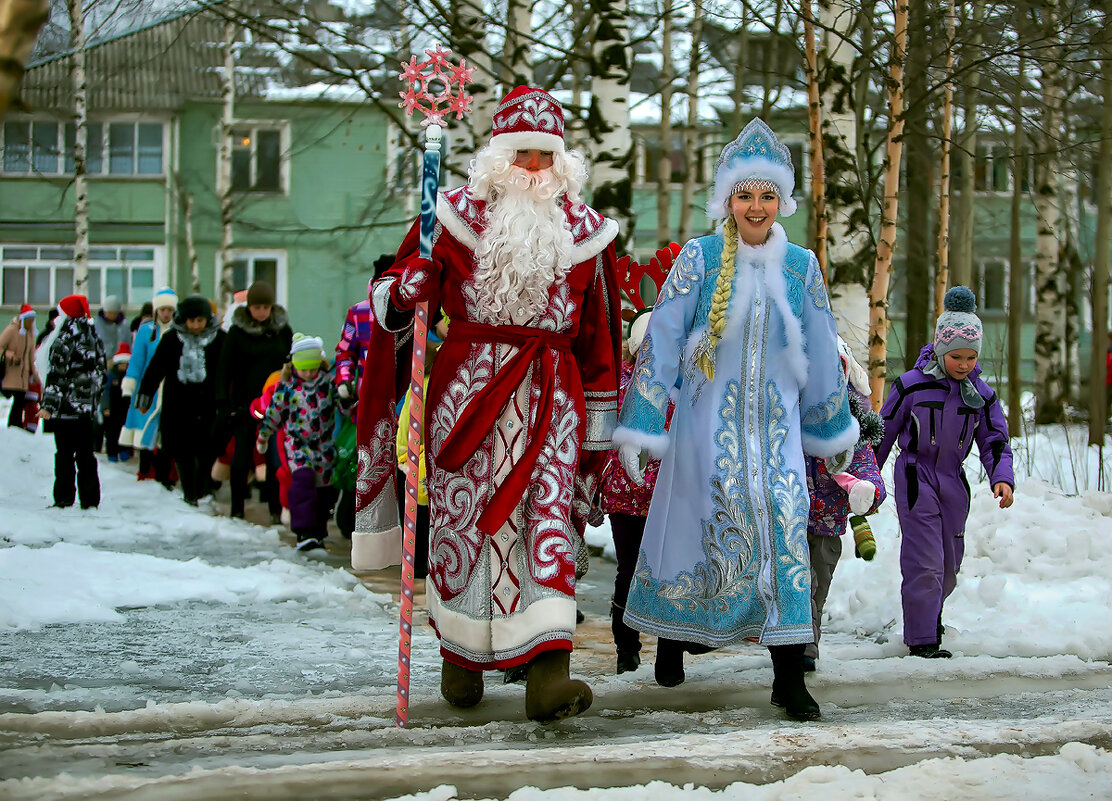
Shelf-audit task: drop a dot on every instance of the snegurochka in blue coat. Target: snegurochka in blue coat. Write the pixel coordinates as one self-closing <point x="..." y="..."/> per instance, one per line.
<point x="743" y="338"/>
<point x="140" y="430"/>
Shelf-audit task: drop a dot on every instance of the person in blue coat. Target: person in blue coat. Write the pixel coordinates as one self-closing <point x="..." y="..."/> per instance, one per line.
<point x="140" y="431"/>
<point x="743" y="339"/>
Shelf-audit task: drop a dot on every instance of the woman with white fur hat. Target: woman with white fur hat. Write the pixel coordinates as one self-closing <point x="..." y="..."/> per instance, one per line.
<point x="140" y="431"/>
<point x="743" y="338"/>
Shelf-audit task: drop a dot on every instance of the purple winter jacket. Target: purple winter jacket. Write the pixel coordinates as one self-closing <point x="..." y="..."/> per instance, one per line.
<point x="935" y="429"/>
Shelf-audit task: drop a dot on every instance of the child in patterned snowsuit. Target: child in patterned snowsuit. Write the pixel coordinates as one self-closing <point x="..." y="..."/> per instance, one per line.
<point x="935" y="411"/>
<point x="306" y="403"/>
<point x="859" y="490"/>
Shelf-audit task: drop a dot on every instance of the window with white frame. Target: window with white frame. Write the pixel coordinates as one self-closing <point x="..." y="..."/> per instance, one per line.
<point x="992" y="278"/>
<point x="269" y="266"/>
<point x="45" y="147"/>
<point x="258" y="158"/>
<point x="43" y="274"/>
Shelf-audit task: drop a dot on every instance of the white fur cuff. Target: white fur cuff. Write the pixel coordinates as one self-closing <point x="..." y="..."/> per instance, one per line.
<point x="374" y="551"/>
<point x="656" y="444"/>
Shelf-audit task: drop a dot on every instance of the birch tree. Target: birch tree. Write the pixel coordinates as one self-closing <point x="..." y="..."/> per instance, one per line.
<point x="608" y="117"/>
<point x="224" y="166"/>
<point x="1050" y="287"/>
<point x="467" y="34"/>
<point x="942" y="250"/>
<point x="1098" y="400"/>
<point x="1016" y="268"/>
<point x="850" y="256"/>
<point x="81" y="138"/>
<point x="814" y="130"/>
<point x="920" y="186"/>
<point x="961" y="252"/>
<point x="664" y="162"/>
<point x="691" y="153"/>
<point x="886" y="241"/>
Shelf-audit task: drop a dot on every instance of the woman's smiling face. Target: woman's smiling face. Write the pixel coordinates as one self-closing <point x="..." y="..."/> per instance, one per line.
<point x="754" y="211"/>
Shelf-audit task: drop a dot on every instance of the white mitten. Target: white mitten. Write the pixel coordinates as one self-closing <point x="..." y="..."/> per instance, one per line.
<point x="861" y="497"/>
<point x="629" y="457"/>
<point x="344" y="390"/>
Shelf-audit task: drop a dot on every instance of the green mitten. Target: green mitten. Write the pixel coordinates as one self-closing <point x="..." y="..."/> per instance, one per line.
<point x="862" y="538"/>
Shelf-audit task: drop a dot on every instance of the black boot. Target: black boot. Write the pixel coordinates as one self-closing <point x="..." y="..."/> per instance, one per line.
<point x="929" y="651"/>
<point x="460" y="686"/>
<point x="669" y="663"/>
<point x="550" y="693"/>
<point x="628" y="661"/>
<point x="788" y="688"/>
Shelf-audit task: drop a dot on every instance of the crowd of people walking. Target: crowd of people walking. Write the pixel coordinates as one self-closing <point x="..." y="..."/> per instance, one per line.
<point x="725" y="430"/>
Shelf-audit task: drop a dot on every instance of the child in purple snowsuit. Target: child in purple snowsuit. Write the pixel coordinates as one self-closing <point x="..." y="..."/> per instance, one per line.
<point x="935" y="412"/>
<point x="832" y="503"/>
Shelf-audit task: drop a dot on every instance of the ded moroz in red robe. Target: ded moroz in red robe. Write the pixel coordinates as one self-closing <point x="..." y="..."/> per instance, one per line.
<point x="518" y="420"/>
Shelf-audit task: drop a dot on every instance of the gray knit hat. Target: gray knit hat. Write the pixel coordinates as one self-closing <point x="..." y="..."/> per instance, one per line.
<point x="958" y="326"/>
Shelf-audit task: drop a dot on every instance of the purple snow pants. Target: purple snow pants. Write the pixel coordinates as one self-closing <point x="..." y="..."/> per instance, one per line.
<point x="310" y="505"/>
<point x="932" y="524"/>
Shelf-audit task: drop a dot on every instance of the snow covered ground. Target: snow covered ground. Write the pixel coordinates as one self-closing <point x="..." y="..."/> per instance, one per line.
<point x="151" y="650"/>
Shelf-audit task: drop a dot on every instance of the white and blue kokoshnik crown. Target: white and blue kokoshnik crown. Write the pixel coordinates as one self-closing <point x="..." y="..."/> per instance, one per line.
<point x="756" y="154"/>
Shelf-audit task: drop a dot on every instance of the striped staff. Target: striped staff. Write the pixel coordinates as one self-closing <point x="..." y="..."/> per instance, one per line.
<point x="434" y="88"/>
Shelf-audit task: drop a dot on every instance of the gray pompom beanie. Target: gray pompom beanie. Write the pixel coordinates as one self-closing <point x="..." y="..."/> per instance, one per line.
<point x="958" y="326"/>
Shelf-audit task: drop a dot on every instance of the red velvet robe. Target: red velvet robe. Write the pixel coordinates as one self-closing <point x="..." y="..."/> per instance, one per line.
<point x="517" y="425"/>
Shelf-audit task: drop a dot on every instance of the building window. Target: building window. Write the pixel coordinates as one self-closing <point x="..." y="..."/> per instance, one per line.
<point x="43" y="274"/>
<point x="113" y="148"/>
<point x="257" y="159"/>
<point x="992" y="278"/>
<point x="249" y="267"/>
<point x="994" y="167"/>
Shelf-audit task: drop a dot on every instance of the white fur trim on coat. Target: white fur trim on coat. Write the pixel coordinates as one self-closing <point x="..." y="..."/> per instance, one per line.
<point x="656" y="444"/>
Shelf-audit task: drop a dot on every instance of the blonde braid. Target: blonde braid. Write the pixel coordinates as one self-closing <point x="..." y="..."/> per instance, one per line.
<point x="723" y="287"/>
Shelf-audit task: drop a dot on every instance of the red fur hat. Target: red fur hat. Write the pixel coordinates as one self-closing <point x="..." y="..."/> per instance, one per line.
<point x="74" y="306"/>
<point x="528" y="119"/>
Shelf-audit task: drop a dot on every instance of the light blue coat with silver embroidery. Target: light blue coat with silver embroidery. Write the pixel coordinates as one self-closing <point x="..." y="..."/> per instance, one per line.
<point x="724" y="556"/>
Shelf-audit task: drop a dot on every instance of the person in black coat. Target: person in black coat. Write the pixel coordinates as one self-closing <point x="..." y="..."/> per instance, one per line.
<point x="185" y="363"/>
<point x="74" y="379"/>
<point x="257" y="344"/>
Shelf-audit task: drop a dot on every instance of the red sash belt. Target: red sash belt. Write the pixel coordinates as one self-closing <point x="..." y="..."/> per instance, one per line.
<point x="477" y="419"/>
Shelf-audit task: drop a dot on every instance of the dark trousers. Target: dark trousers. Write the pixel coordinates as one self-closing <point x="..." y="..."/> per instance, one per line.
<point x="244" y="431"/>
<point x="113" y="422"/>
<point x="310" y="505"/>
<point x="421" y="540"/>
<point x="345" y="512"/>
<point x="75" y="465"/>
<point x="194" y="462"/>
<point x="628" y="531"/>
<point x="15" y="416"/>
<point x="158" y="462"/>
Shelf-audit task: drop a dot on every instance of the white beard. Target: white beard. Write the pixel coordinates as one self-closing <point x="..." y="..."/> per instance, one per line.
<point x="524" y="249"/>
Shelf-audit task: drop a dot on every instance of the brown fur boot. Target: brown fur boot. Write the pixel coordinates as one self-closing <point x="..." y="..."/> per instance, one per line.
<point x="459" y="686"/>
<point x="549" y="692"/>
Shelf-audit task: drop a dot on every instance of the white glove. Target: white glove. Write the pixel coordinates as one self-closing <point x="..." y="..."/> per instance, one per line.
<point x="861" y="497"/>
<point x="629" y="457"/>
<point x="344" y="390"/>
<point x="840" y="462"/>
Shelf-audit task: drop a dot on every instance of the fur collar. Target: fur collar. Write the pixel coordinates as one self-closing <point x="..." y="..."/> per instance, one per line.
<point x="241" y="318"/>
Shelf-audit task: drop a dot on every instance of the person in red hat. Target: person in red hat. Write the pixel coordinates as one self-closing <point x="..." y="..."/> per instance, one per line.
<point x="17" y="346"/>
<point x="75" y="376"/>
<point x="114" y="405"/>
<point x="519" y="410"/>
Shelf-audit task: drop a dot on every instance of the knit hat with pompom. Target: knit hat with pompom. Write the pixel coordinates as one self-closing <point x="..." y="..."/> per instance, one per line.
<point x="959" y="326"/>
